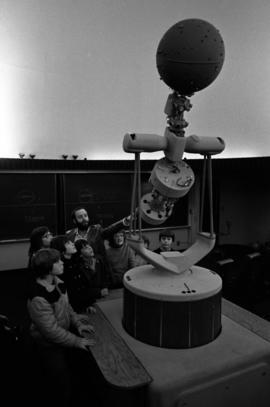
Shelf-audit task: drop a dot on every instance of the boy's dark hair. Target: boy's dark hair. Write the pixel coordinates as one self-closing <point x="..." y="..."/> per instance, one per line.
<point x="80" y="244"/>
<point x="58" y="243"/>
<point x="43" y="261"/>
<point x="78" y="208"/>
<point x="167" y="233"/>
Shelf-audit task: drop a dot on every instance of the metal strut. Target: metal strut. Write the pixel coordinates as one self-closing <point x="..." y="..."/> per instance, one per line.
<point x="207" y="173"/>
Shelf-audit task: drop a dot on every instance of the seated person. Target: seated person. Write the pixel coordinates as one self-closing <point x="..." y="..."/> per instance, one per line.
<point x="166" y="239"/>
<point x="87" y="279"/>
<point x="140" y="261"/>
<point x="120" y="256"/>
<point x="55" y="328"/>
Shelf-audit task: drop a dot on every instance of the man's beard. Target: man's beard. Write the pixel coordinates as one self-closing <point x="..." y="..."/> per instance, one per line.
<point x="83" y="226"/>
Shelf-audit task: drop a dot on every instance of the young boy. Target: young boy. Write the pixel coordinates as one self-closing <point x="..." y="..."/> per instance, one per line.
<point x="67" y="251"/>
<point x="55" y="328"/>
<point x="90" y="278"/>
<point x="166" y="239"/>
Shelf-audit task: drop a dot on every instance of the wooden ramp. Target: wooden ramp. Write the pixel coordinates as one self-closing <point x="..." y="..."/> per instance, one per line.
<point x="118" y="364"/>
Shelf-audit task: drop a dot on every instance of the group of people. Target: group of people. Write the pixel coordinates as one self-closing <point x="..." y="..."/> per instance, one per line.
<point x="69" y="273"/>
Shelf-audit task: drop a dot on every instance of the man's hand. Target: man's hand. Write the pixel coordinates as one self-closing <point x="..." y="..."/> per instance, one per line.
<point x="126" y="221"/>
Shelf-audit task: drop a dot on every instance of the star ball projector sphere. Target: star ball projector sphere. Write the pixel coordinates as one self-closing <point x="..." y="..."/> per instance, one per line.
<point x="190" y="56"/>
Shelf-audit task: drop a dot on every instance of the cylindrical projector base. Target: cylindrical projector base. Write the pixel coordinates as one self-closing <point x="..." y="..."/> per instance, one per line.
<point x="172" y="311"/>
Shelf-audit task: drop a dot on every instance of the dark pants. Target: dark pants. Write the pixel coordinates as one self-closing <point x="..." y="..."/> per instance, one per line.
<point x="71" y="377"/>
<point x="56" y="375"/>
<point x="117" y="281"/>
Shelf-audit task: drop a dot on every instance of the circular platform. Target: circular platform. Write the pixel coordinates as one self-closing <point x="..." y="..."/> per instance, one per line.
<point x="171" y="310"/>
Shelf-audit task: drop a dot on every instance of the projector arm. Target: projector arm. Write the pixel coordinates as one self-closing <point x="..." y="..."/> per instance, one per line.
<point x="172" y="145"/>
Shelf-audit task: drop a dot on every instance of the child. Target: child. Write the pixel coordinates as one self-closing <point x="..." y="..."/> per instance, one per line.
<point x="120" y="257"/>
<point x="166" y="239"/>
<point x="52" y="320"/>
<point x="88" y="279"/>
<point x="67" y="250"/>
<point x="40" y="238"/>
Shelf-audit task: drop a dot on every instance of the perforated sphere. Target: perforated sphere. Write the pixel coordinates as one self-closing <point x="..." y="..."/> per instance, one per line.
<point x="190" y="56"/>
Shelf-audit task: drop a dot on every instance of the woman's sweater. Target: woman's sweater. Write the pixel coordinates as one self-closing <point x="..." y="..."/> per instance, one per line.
<point x="121" y="259"/>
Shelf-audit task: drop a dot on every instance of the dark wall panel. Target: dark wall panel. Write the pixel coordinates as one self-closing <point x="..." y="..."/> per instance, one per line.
<point x="27" y="200"/>
<point x="105" y="196"/>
